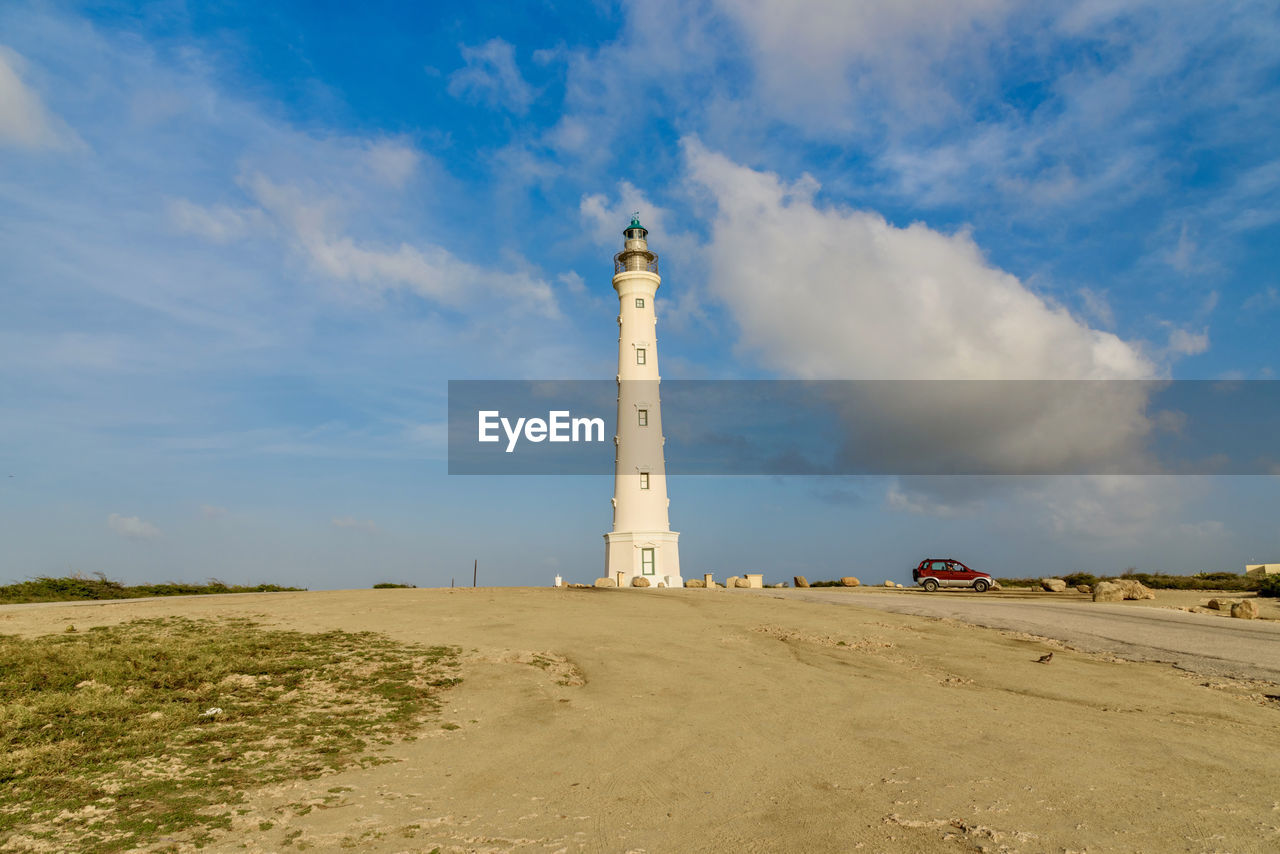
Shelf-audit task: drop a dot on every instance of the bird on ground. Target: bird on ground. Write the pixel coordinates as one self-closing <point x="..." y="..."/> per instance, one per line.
<point x="1045" y="659"/>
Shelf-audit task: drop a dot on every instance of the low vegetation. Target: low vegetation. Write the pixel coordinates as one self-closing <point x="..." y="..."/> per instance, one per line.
<point x="1269" y="586"/>
<point x="1154" y="580"/>
<point x="75" y="587"/>
<point x="113" y="738"/>
<point x="389" y="585"/>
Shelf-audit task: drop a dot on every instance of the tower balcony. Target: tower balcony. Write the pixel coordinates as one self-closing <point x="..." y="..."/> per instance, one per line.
<point x="635" y="260"/>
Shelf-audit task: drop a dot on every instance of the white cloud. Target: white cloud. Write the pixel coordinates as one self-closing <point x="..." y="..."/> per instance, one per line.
<point x="24" y="120"/>
<point x="1182" y="256"/>
<point x="820" y="292"/>
<point x="1101" y="510"/>
<point x="1264" y="300"/>
<point x="216" y="223"/>
<point x="353" y="524"/>
<point x="430" y="271"/>
<point x="212" y="511"/>
<point x="392" y="163"/>
<point x="492" y="77"/>
<point x="606" y="218"/>
<point x="132" y="527"/>
<point x="1207" y="529"/>
<point x="823" y="292"/>
<point x="921" y="504"/>
<point x="434" y="433"/>
<point x="1097" y="306"/>
<point x="1110" y="507"/>
<point x="815" y="60"/>
<point x="573" y="282"/>
<point x="1183" y="342"/>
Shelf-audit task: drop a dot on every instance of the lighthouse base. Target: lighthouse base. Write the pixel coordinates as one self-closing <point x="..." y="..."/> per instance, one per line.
<point x="654" y="555"/>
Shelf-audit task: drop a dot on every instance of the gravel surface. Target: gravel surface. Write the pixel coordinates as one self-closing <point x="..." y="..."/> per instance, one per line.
<point x="1203" y="643"/>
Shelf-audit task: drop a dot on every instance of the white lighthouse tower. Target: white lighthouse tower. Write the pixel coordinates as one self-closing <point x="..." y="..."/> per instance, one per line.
<point x="641" y="544"/>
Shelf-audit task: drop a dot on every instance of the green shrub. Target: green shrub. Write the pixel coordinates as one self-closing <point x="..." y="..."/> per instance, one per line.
<point x="389" y="585"/>
<point x="76" y="587"/>
<point x="1076" y="578"/>
<point x="1269" y="585"/>
<point x="1154" y="580"/>
<point x="1202" y="581"/>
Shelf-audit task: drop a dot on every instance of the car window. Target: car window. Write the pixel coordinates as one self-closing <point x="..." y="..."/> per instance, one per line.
<point x="939" y="566"/>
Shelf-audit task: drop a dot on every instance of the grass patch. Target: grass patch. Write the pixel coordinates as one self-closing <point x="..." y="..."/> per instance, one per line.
<point x="107" y="743"/>
<point x="76" y="587"/>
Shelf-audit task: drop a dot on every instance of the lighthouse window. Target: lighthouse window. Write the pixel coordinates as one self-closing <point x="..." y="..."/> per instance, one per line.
<point x="646" y="561"/>
<point x="639" y="302"/>
<point x="644" y="480"/>
<point x="640" y="356"/>
<point x="644" y="418"/>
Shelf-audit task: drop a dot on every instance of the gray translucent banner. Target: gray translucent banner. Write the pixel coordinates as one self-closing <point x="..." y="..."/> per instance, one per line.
<point x="975" y="427"/>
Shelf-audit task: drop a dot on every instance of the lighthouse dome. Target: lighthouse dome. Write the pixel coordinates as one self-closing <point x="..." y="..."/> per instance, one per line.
<point x="635" y="231"/>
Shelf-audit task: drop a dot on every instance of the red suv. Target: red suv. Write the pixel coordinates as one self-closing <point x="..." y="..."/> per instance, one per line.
<point x="946" y="572"/>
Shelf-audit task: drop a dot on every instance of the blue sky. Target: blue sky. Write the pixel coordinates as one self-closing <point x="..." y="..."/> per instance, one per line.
<point x="243" y="248"/>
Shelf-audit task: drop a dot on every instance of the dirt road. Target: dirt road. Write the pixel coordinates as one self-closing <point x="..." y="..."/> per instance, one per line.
<point x="1199" y="642"/>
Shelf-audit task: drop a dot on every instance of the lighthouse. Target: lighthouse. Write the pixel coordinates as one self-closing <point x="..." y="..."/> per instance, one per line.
<point x="641" y="544"/>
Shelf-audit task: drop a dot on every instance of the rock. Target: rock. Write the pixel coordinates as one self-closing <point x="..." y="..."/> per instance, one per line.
<point x="606" y="582"/>
<point x="741" y="582"/>
<point x="1134" y="589"/>
<point x="1108" y="591"/>
<point x="695" y="582"/>
<point x="849" y="581"/>
<point x="1246" y="610"/>
<point x="1053" y="585"/>
<point x="801" y="581"/>
<point x="662" y="584"/>
<point x="1083" y="588"/>
<point x="639" y="581"/>
<point x="1222" y="604"/>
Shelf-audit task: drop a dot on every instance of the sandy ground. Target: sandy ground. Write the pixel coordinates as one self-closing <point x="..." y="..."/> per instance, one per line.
<point x="711" y="720"/>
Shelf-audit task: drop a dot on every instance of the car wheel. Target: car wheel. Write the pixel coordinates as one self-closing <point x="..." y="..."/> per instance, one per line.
<point x="931" y="584"/>
<point x="981" y="585"/>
